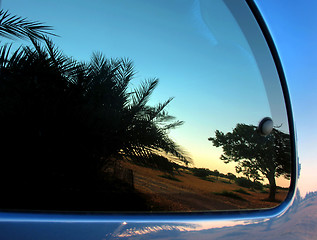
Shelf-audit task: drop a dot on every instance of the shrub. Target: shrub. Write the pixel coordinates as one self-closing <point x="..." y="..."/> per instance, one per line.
<point x="244" y="182"/>
<point x="201" y="172"/>
<point x="231" y="176"/>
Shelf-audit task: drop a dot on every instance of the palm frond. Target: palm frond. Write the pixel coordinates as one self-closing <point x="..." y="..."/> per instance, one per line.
<point x="56" y="55"/>
<point x="12" y="26"/>
<point x="125" y="73"/>
<point x="142" y="94"/>
<point x="39" y="49"/>
<point x="173" y="125"/>
<point x="158" y="112"/>
<point x="10" y="60"/>
<point x="127" y="70"/>
<point x="97" y="61"/>
<point x="4" y="54"/>
<point x="63" y="63"/>
<point x="103" y="70"/>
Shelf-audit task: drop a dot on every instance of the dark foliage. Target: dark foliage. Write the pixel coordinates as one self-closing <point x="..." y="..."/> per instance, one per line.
<point x="201" y="172"/>
<point x="62" y="122"/>
<point x="231" y="176"/>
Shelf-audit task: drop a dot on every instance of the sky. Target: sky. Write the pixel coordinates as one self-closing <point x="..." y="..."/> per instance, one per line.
<point x="196" y="49"/>
<point x="294" y="30"/>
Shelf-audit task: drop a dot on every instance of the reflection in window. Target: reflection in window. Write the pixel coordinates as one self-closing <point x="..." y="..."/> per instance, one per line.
<point x="87" y="125"/>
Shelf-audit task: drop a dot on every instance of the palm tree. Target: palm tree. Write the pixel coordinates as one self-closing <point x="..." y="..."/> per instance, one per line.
<point x="68" y="119"/>
<point x="12" y="26"/>
<point x="136" y="128"/>
<point x="129" y="109"/>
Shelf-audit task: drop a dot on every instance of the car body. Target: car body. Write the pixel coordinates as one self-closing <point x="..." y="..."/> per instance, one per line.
<point x="296" y="218"/>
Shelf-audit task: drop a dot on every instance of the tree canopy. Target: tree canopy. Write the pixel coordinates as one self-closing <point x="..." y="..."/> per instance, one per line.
<point x="257" y="156"/>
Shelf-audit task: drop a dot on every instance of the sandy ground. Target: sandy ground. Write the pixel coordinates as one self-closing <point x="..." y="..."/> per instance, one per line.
<point x="191" y="193"/>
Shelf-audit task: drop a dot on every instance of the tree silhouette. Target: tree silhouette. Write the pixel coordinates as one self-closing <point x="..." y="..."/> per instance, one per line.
<point x="256" y="155"/>
<point x="63" y="121"/>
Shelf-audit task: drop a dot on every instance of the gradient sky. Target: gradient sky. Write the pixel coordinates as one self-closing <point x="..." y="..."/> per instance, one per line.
<point x="294" y="29"/>
<point x="200" y="56"/>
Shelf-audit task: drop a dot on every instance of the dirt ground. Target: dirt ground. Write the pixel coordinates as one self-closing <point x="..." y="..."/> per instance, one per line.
<point x="190" y="193"/>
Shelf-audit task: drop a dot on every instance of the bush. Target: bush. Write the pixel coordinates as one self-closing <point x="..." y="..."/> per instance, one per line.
<point x="231" y="176"/>
<point x="243" y="182"/>
<point x="201" y="172"/>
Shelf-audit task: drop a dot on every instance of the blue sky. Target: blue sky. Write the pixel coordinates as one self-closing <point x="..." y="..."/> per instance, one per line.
<point x="196" y="50"/>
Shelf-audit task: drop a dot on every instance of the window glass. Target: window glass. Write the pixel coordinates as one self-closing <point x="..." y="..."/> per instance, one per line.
<point x="139" y="106"/>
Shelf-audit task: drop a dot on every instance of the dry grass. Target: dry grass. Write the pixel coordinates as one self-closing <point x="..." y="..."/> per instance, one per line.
<point x="190" y="193"/>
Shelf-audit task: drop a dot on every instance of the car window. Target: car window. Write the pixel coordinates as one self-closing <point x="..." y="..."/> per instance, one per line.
<point x="142" y="106"/>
